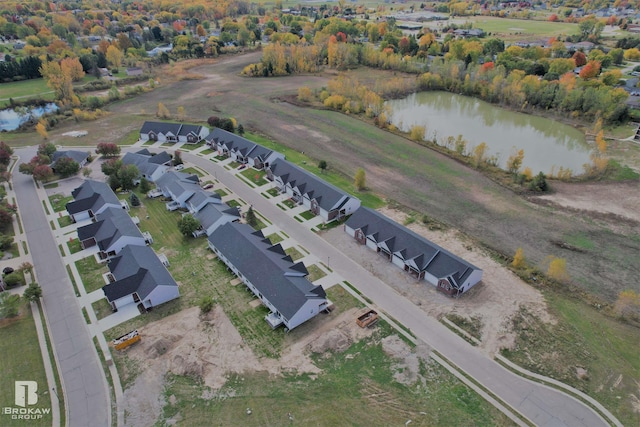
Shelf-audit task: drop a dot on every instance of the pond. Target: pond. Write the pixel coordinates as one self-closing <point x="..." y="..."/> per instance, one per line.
<point x="547" y="144"/>
<point x="12" y="118"/>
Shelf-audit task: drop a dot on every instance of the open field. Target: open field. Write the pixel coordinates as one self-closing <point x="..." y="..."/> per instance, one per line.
<point x="601" y="360"/>
<point x="21" y="361"/>
<point x="519" y="28"/>
<point x="397" y="168"/>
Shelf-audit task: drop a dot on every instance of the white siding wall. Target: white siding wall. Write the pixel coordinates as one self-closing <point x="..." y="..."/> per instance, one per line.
<point x="351" y="206"/>
<point x="472" y="280"/>
<point x="350" y="231"/>
<point x="121" y="302"/>
<point x="372" y="245"/>
<point x="81" y="216"/>
<point x="309" y="310"/>
<point x="124" y="241"/>
<point x="160" y="295"/>
<point x="431" y="278"/>
<point x="397" y="261"/>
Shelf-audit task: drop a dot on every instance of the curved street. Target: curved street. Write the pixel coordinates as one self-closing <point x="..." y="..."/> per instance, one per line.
<point x="83" y="380"/>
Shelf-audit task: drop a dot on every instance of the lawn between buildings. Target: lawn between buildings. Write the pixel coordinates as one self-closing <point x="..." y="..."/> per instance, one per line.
<point x="21" y="361"/>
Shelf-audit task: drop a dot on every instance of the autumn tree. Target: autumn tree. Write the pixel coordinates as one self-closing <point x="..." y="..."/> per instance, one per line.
<point x="479" y="154"/>
<point x="590" y="70"/>
<point x="107" y="149"/>
<point x="557" y="269"/>
<point x="58" y="80"/>
<point x="5" y="153"/>
<point x="46" y="149"/>
<point x="514" y="162"/>
<point x="579" y="58"/>
<point x="41" y="128"/>
<point x="628" y="304"/>
<point x="42" y="173"/>
<point x="66" y="167"/>
<point x="360" y="180"/>
<point x="114" y="56"/>
<point x="163" y="112"/>
<point x="73" y="68"/>
<point x="518" y="259"/>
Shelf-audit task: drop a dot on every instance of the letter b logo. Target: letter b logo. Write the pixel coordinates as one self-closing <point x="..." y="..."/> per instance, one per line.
<point x="26" y="393"/>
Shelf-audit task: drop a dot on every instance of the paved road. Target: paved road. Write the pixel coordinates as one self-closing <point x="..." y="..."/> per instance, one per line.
<point x="542" y="405"/>
<point x="83" y="380"/>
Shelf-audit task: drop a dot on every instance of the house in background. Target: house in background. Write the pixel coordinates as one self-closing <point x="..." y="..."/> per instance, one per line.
<point x="241" y="149"/>
<point x="413" y="253"/>
<point x="317" y="195"/>
<point x="151" y="166"/>
<point x="134" y="71"/>
<point x="80" y="157"/>
<point x="272" y="276"/>
<point x="179" y="187"/>
<point x="112" y="230"/>
<point x="173" y="132"/>
<point x="137" y="276"/>
<point x="90" y="199"/>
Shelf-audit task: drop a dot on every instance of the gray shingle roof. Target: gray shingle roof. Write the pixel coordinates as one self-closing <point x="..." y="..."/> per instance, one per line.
<point x="77" y="156"/>
<point x="91" y="195"/>
<point x="328" y="197"/>
<point x="410" y="246"/>
<point x="278" y="279"/>
<point x="136" y="269"/>
<point x="160" y="127"/>
<point x="111" y="224"/>
<point x="237" y="143"/>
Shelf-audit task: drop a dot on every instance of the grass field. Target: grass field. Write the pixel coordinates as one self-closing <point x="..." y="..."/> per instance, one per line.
<point x="21" y="361"/>
<point x="91" y="273"/>
<point x="356" y="388"/>
<point x="583" y="338"/>
<point x="518" y="27"/>
<point x="59" y="202"/>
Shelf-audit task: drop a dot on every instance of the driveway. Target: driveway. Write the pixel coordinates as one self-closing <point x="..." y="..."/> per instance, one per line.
<point x="83" y="380"/>
<point x="542" y="405"/>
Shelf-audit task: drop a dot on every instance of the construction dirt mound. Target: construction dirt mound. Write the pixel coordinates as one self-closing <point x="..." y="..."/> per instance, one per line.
<point x="211" y="349"/>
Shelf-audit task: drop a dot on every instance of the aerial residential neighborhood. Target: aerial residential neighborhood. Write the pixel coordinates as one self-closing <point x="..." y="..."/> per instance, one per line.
<point x="374" y="213"/>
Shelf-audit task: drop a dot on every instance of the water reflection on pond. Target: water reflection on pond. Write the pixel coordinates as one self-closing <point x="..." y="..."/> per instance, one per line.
<point x="546" y="143"/>
<point x="12" y="118"/>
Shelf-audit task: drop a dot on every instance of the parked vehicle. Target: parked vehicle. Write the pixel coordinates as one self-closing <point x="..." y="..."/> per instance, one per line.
<point x="179" y="167"/>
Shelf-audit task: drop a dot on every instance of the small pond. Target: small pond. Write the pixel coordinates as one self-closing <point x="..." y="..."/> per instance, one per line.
<point x="547" y="144"/>
<point x="12" y="118"/>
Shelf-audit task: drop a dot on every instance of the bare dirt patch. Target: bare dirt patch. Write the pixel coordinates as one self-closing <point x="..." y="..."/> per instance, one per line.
<point x="211" y="349"/>
<point x="619" y="199"/>
<point x="495" y="300"/>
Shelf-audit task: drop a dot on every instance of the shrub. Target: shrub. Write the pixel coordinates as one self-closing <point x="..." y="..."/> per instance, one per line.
<point x="14" y="279"/>
<point x="206" y="304"/>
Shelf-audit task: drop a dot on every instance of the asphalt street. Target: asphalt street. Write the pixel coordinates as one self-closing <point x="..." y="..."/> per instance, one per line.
<point x="83" y="380"/>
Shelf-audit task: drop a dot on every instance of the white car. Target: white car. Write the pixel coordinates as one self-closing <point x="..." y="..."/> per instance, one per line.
<point x="179" y="167"/>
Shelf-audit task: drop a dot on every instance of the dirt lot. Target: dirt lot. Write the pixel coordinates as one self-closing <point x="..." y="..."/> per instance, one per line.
<point x="495" y="300"/>
<point x="212" y="349"/>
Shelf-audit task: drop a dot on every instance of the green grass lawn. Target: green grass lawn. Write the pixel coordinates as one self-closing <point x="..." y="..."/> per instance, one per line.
<point x="206" y="152"/>
<point x="24" y="88"/>
<point x="294" y="253"/>
<point x="91" y="273"/>
<point x="275" y="238"/>
<point x="232" y="203"/>
<point x="59" y="201"/>
<point x="191" y="147"/>
<point x="289" y="203"/>
<point x="74" y="246"/>
<point x="273" y="192"/>
<point x="307" y="215"/>
<point x="367" y="198"/>
<point x="64" y="221"/>
<point x="22" y="361"/>
<point x="255" y="176"/>
<point x="192" y="171"/>
<point x="512" y="26"/>
<point x="221" y="192"/>
<point x="583" y="338"/>
<point x="102" y="308"/>
<point x="315" y="273"/>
